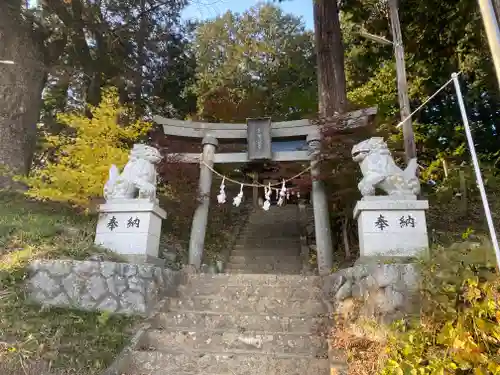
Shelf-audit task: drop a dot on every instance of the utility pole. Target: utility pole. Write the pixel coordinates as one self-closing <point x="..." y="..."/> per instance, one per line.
<point x="496" y="5"/>
<point x="492" y="32"/>
<point x="404" y="101"/>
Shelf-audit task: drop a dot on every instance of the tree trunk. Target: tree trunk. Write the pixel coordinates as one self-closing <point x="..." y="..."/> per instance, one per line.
<point x="21" y="88"/>
<point x="332" y="97"/>
<point x="141" y="60"/>
<point x="345" y="237"/>
<point x="330" y="58"/>
<point x="496" y="6"/>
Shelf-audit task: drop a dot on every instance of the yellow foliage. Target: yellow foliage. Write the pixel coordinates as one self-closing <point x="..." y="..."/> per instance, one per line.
<point x="459" y="328"/>
<point x="82" y="156"/>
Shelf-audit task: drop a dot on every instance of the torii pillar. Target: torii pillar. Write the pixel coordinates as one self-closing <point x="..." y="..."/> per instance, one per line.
<point x="322" y="227"/>
<point x="200" y="218"/>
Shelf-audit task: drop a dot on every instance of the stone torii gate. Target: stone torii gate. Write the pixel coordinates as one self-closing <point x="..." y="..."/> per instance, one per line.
<point x="259" y="133"/>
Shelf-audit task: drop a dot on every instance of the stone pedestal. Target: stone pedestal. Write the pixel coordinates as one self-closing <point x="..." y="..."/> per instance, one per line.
<point x="391" y="228"/>
<point x="131" y="228"/>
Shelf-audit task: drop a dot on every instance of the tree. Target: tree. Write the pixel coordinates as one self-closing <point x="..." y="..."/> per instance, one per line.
<point x="330" y="58"/>
<point x="76" y="161"/>
<point x="257" y="63"/>
<point x="21" y="87"/>
<point x="71" y="50"/>
<point x="450" y="38"/>
<point x="130" y="44"/>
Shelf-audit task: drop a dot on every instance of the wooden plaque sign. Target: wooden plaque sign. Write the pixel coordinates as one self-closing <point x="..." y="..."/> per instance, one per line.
<point x="259" y="138"/>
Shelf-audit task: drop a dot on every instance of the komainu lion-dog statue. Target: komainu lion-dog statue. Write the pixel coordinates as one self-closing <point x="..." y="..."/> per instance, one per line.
<point x="380" y="171"/>
<point x="138" y="179"/>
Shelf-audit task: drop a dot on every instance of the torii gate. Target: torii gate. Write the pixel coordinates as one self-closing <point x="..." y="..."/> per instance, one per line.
<point x="259" y="133"/>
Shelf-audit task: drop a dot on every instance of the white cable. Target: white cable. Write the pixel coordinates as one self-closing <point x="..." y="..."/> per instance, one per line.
<point x="424" y="103"/>
<point x="477" y="170"/>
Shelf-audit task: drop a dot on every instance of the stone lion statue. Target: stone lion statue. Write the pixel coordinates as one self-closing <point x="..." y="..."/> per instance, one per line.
<point x="138" y="179"/>
<point x="380" y="171"/>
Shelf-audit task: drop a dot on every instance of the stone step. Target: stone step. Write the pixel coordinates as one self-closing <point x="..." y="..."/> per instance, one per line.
<point x="285" y="223"/>
<point x="249" y="245"/>
<point x="201" y="280"/>
<point x="257" y="305"/>
<point x="246" y="271"/>
<point x="275" y="235"/>
<point x="263" y="243"/>
<point x="285" y="292"/>
<point x="161" y="363"/>
<point x="277" y="213"/>
<point x="293" y="262"/>
<point x="276" y="241"/>
<point x="269" y="215"/>
<point x="272" y="217"/>
<point x="264" y="259"/>
<point x="261" y="251"/>
<point x="283" y="247"/>
<point x="289" y="231"/>
<point x="274" y="228"/>
<point x="291" y="269"/>
<point x="195" y="321"/>
<point x="279" y="241"/>
<point x="221" y="341"/>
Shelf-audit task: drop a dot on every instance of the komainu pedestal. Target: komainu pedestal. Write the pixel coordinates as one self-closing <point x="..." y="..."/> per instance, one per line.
<point x="130" y="220"/>
<point x="391" y="228"/>
<point x="391" y="225"/>
<point x="131" y="228"/>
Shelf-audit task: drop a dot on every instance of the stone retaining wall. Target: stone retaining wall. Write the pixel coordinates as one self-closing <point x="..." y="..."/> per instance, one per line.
<point x="385" y="292"/>
<point x="100" y="285"/>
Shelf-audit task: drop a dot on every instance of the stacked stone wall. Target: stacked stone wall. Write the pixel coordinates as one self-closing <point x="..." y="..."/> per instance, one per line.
<point x="382" y="291"/>
<point x="100" y="285"/>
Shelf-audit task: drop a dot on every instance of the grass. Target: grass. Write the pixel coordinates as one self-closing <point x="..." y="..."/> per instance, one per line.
<point x="35" y="339"/>
<point x="442" y="301"/>
<point x="451" y="230"/>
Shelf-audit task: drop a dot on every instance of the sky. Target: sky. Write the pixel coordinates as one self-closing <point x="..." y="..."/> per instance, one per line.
<point x="207" y="9"/>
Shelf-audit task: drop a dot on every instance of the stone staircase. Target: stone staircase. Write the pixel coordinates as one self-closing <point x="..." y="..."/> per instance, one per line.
<point x="243" y="322"/>
<point x="237" y="324"/>
<point x="270" y="243"/>
<point x="260" y="318"/>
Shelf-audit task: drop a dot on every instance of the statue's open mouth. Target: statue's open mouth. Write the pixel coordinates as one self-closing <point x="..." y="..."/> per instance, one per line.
<point x="357" y="153"/>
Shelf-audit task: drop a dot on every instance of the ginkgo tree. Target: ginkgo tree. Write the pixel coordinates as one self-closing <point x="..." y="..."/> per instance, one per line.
<point x="76" y="161"/>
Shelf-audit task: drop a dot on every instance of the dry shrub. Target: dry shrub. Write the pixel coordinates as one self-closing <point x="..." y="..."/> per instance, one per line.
<point x="364" y="342"/>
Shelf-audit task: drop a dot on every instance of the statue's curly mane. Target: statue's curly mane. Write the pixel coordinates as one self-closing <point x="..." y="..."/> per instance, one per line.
<point x="138" y="153"/>
<point x="379" y="147"/>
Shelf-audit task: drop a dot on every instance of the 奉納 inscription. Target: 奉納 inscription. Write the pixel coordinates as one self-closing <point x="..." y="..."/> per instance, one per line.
<point x="112" y="223"/>
<point x="133" y="222"/>
<point x="407" y="221"/>
<point x="381" y="222"/>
